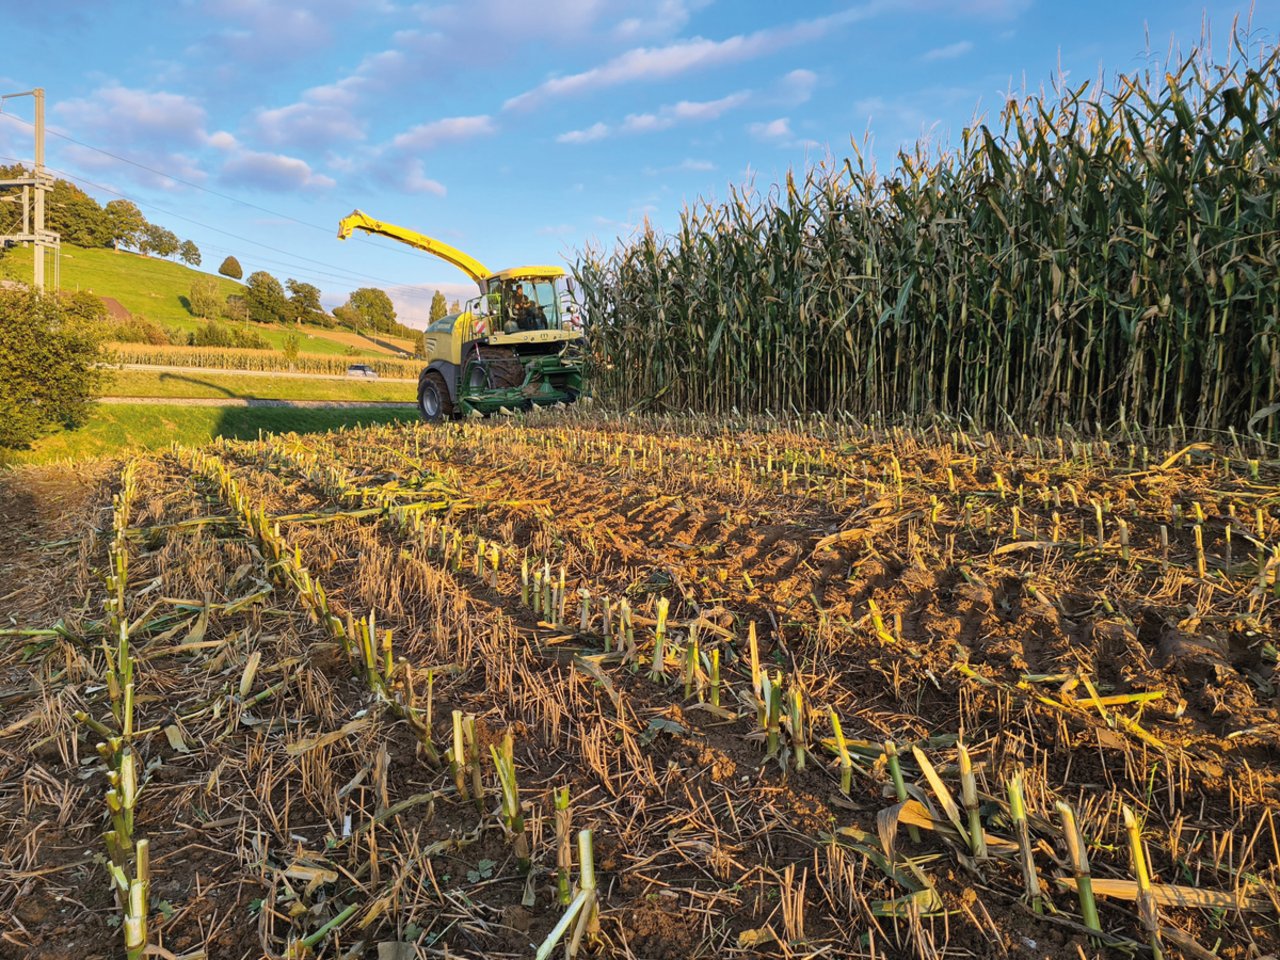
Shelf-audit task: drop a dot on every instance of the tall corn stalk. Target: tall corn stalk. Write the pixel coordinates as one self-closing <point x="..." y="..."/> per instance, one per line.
<point x="1092" y="255"/>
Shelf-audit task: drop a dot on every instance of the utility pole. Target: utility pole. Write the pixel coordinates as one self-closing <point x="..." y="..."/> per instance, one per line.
<point x="33" y="190"/>
<point x="38" y="278"/>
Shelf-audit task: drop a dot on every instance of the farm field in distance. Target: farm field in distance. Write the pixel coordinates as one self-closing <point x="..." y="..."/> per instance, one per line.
<point x="815" y="689"/>
<point x="213" y="384"/>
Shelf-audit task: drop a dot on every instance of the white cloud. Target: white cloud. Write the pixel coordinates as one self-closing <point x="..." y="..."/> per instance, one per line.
<point x="684" y="166"/>
<point x="274" y="32"/>
<point x="668" y="17"/>
<point x="307" y="125"/>
<point x="158" y="129"/>
<point x="449" y="130"/>
<point x="124" y="115"/>
<point x="373" y="70"/>
<point x="221" y="140"/>
<point x="327" y="114"/>
<point x="398" y="160"/>
<point x="779" y="129"/>
<point x="779" y="132"/>
<point x="686" y="111"/>
<point x="673" y="59"/>
<point x="949" y="52"/>
<point x="415" y="180"/>
<point x="273" y="171"/>
<point x="646" y="123"/>
<point x="797" y="86"/>
<point x="596" y="131"/>
<point x="707" y="109"/>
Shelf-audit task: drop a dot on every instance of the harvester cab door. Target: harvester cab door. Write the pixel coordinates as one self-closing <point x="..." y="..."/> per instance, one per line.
<point x="519" y="313"/>
<point x="546" y="298"/>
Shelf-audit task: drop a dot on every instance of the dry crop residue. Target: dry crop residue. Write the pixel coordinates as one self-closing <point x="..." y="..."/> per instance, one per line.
<point x="1094" y="618"/>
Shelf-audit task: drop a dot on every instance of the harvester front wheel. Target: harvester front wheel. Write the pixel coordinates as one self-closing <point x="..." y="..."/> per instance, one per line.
<point x="494" y="368"/>
<point x="433" y="397"/>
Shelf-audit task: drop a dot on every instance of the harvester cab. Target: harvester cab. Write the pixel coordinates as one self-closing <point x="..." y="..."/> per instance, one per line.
<point x="514" y="346"/>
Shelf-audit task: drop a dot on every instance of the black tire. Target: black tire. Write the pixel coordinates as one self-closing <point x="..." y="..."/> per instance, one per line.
<point x="433" y="397"/>
<point x="494" y="368"/>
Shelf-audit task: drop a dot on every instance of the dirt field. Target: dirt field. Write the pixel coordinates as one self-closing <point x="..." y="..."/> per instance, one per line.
<point x="1096" y="619"/>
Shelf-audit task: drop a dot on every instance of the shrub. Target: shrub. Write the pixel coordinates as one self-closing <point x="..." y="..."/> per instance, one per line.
<point x="215" y="334"/>
<point x="231" y="268"/>
<point x="291" y="344"/>
<point x="139" y="329"/>
<point x="48" y="365"/>
<point x="206" y="302"/>
<point x="235" y="309"/>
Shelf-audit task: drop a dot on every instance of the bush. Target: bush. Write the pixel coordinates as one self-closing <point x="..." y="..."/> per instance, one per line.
<point x="234" y="309"/>
<point x="206" y="303"/>
<point x="215" y="334"/>
<point x="48" y="365"/>
<point x="231" y="268"/>
<point x="139" y="329"/>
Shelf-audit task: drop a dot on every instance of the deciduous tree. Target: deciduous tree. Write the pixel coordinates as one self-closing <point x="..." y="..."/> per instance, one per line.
<point x="76" y="217"/>
<point x="304" y="302"/>
<point x="375" y="309"/>
<point x="347" y="317"/>
<point x="125" y="223"/>
<point x="156" y="239"/>
<point x="265" y="298"/>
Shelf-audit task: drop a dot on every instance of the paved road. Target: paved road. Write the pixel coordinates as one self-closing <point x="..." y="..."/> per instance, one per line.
<point x="251" y="402"/>
<point x="207" y="371"/>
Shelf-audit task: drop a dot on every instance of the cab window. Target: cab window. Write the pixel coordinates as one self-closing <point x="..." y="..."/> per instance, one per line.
<point x="530" y="305"/>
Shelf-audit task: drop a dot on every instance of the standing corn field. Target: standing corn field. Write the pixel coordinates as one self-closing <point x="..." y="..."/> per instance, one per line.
<point x="1092" y="257"/>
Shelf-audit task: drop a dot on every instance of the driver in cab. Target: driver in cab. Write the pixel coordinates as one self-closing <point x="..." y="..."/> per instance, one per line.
<point x="522" y="310"/>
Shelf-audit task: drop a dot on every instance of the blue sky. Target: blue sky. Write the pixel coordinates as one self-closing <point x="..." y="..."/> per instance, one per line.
<point x="519" y="131"/>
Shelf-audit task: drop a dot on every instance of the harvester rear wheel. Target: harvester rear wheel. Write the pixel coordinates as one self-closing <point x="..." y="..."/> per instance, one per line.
<point x="433" y="397"/>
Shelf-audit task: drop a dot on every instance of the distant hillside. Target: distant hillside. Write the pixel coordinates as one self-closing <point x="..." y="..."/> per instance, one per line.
<point x="147" y="286"/>
<point x="157" y="290"/>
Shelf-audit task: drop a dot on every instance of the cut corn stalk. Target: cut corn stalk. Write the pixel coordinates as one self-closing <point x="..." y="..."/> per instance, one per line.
<point x="1080" y="864"/>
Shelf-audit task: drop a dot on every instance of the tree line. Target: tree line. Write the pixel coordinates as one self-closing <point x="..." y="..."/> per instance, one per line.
<point x="266" y="300"/>
<point x="81" y="221"/>
<point x="78" y="219"/>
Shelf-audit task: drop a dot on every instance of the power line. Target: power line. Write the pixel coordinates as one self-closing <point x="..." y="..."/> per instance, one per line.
<point x="153" y="206"/>
<point x="298" y="271"/>
<point x="196" y="186"/>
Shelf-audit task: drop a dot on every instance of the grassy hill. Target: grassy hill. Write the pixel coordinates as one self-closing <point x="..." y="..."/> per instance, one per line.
<point x="157" y="290"/>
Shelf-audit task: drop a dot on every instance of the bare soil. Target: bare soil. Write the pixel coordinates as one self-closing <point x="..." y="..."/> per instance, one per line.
<point x="928" y="588"/>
